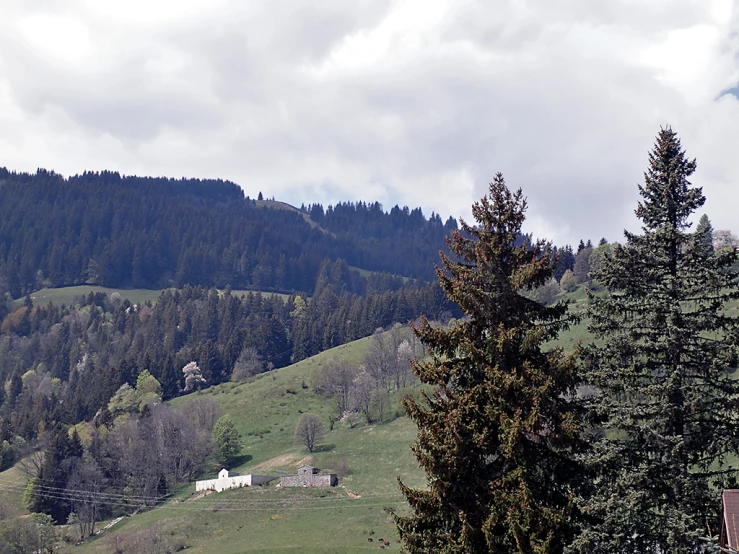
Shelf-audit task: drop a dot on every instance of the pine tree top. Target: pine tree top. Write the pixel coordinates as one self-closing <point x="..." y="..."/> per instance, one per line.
<point x="668" y="196"/>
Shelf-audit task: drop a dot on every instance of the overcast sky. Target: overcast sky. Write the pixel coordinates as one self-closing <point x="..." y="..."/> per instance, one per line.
<point x="415" y="103"/>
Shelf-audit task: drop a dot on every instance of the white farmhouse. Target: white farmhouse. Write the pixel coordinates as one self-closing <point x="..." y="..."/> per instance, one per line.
<point x="227" y="480"/>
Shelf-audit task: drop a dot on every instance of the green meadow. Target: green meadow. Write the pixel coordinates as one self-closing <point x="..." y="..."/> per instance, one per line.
<point x="70" y="295"/>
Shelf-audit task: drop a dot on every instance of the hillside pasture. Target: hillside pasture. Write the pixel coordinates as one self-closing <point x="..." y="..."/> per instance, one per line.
<point x="70" y="295"/>
<point x="264" y="519"/>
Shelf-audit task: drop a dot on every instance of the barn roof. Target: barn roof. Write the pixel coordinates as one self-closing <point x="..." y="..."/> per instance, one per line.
<point x="731" y="517"/>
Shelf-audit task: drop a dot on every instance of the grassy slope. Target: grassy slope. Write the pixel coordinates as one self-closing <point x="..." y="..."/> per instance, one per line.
<point x="366" y="273"/>
<point x="277" y="205"/>
<point x="68" y="295"/>
<point x="12" y="484"/>
<point x="270" y="519"/>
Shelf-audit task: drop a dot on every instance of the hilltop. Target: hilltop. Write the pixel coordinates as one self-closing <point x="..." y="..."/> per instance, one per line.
<point x="102" y="228"/>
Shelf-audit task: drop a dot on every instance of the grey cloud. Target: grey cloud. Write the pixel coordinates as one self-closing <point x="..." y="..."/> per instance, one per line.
<point x="120" y="99"/>
<point x="512" y="87"/>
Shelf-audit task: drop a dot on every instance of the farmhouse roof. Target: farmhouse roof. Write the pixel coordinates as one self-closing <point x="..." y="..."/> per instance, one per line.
<point x="730" y="531"/>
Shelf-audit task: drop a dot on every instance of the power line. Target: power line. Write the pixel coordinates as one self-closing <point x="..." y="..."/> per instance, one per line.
<point x="226" y="505"/>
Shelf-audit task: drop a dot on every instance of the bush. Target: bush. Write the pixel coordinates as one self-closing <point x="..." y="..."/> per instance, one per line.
<point x="8" y="455"/>
<point x="226" y="438"/>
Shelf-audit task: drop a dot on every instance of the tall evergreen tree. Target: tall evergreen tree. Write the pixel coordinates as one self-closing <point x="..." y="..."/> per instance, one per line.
<point x="664" y="397"/>
<point x="705" y="229"/>
<point x="62" y="453"/>
<point x="581" y="268"/>
<point x="497" y="436"/>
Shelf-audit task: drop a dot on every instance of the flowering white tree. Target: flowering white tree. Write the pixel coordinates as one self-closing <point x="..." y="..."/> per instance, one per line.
<point x="193" y="376"/>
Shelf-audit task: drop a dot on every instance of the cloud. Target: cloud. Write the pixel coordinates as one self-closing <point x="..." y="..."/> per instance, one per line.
<point x="408" y="102"/>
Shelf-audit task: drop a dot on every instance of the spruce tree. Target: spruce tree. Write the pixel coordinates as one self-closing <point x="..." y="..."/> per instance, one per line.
<point x="705" y="228"/>
<point x="664" y="397"/>
<point x="498" y="434"/>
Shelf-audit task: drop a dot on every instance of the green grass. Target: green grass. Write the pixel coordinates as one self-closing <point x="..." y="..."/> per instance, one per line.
<point x="244" y="292"/>
<point x="367" y="273"/>
<point x="261" y="520"/>
<point x="278" y="205"/>
<point x="272" y="519"/>
<point x="363" y="272"/>
<point x="70" y="295"/>
<point x="267" y="409"/>
<point x="578" y="303"/>
<point x="12" y="484"/>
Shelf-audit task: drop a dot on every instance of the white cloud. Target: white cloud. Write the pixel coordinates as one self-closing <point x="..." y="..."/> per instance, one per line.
<point x="400" y="101"/>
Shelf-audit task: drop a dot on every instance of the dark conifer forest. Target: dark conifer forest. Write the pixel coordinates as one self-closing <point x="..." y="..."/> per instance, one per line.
<point x="120" y="231"/>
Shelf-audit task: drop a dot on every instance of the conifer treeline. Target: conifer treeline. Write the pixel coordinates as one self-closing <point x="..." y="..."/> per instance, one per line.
<point x="122" y="231"/>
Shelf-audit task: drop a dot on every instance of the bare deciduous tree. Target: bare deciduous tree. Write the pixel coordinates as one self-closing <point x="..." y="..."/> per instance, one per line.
<point x="204" y="412"/>
<point x="309" y="431"/>
<point x="31" y="464"/>
<point x="380" y="359"/>
<point x="379" y="402"/>
<point x="34" y="533"/>
<point x="403" y="357"/>
<point x="363" y="387"/>
<point x="248" y="363"/>
<point x="182" y="444"/>
<point x="136" y="460"/>
<point x="339" y="376"/>
<point x="85" y="486"/>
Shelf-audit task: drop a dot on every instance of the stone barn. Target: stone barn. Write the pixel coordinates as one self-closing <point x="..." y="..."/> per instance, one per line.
<point x="228" y="480"/>
<point x="308" y="476"/>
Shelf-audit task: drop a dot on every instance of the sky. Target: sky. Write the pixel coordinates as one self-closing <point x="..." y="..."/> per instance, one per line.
<point x="409" y="102"/>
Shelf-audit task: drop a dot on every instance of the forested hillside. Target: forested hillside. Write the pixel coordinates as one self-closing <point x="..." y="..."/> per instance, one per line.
<point x="197" y="240"/>
<point x="61" y="365"/>
<point x="124" y="231"/>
